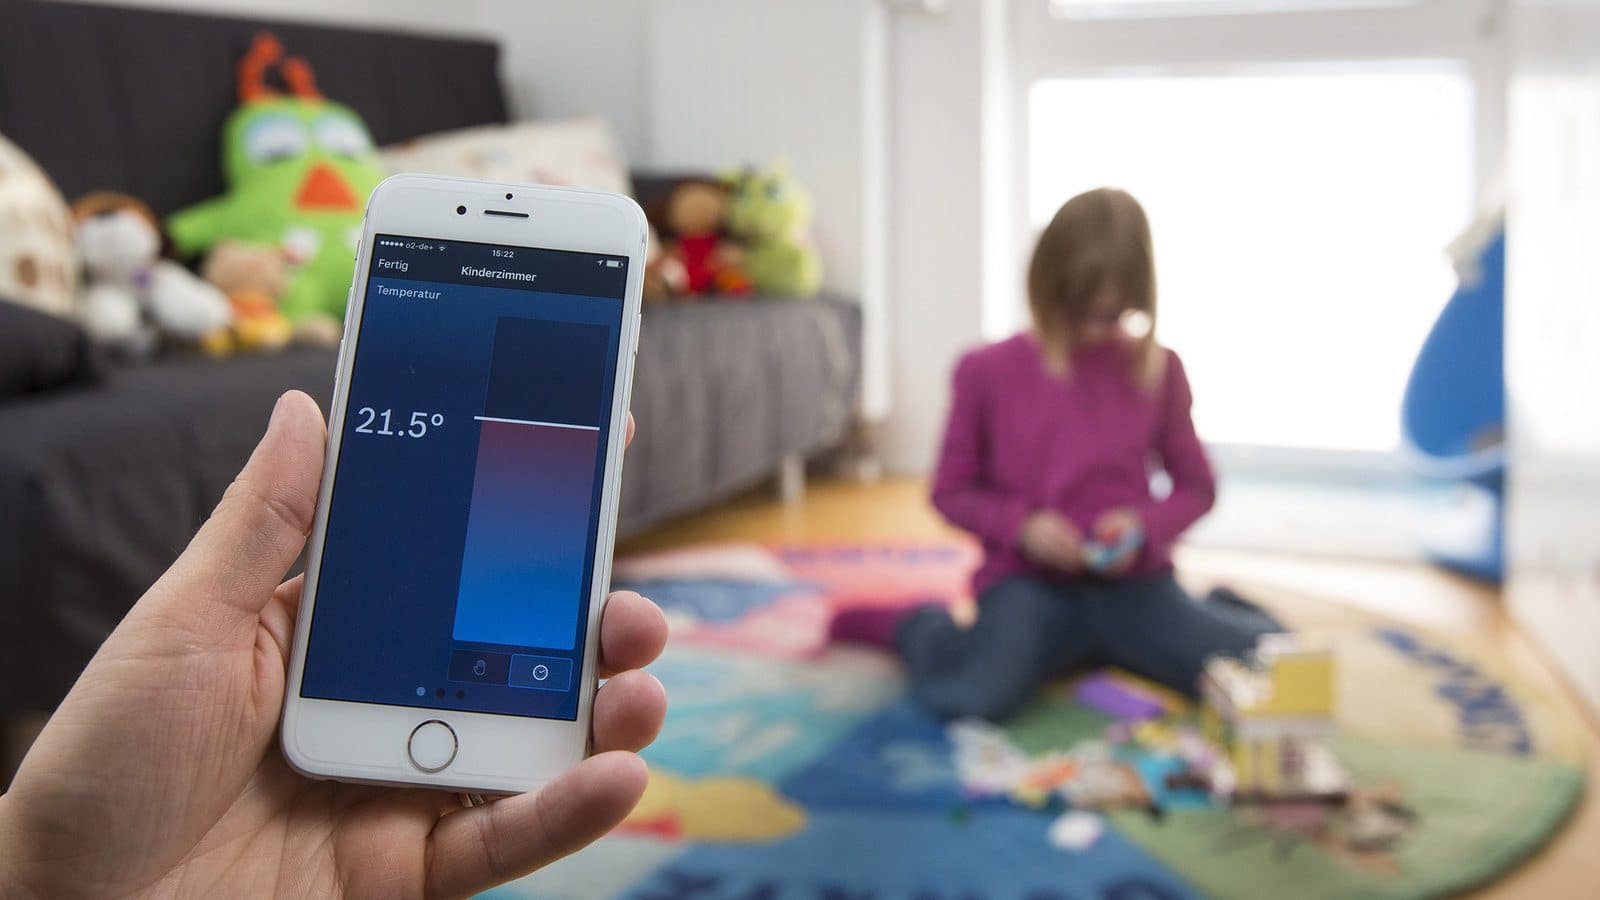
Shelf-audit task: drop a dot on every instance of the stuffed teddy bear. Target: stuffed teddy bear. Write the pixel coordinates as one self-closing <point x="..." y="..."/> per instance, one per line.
<point x="131" y="297"/>
<point x="299" y="168"/>
<point x="770" y="215"/>
<point x="253" y="276"/>
<point x="695" y="214"/>
<point x="664" y="276"/>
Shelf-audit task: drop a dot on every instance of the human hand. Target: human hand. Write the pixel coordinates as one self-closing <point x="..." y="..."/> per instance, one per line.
<point x="1050" y="539"/>
<point x="1112" y="527"/>
<point x="160" y="773"/>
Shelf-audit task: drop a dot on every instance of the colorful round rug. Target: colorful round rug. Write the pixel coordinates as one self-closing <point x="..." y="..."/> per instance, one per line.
<point x="788" y="769"/>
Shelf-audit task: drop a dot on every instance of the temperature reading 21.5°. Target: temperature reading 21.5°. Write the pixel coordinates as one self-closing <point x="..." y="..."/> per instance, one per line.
<point x="384" y="421"/>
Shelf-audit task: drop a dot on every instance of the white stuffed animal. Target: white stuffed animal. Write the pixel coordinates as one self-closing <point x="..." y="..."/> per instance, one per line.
<point x="132" y="297"/>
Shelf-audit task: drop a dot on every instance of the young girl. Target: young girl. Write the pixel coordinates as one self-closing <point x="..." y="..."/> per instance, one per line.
<point x="1048" y="449"/>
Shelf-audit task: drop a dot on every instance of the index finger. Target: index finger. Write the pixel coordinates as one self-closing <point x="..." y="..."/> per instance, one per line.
<point x="633" y="632"/>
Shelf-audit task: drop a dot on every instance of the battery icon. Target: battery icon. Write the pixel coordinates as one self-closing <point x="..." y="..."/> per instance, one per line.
<point x="613" y="263"/>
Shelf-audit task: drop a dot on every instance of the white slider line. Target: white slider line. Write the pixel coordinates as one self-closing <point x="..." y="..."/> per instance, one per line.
<point x="532" y="422"/>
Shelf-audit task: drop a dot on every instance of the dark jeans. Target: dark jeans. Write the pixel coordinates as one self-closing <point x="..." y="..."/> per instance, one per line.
<point x="1030" y="631"/>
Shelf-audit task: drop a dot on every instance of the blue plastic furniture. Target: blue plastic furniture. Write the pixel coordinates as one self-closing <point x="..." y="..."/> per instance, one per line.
<point x="1453" y="422"/>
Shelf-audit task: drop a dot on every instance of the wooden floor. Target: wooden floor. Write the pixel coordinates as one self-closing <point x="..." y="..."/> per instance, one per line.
<point x="1569" y="867"/>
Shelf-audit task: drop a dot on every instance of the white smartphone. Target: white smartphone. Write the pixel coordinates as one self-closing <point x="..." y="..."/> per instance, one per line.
<point x="462" y="547"/>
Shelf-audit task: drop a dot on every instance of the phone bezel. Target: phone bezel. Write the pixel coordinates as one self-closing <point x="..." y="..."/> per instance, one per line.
<point x="366" y="742"/>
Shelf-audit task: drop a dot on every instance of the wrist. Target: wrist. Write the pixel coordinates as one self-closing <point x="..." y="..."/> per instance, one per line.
<point x="1017" y="524"/>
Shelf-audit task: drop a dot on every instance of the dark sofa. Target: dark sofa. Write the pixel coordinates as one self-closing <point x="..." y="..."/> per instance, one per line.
<point x="102" y="485"/>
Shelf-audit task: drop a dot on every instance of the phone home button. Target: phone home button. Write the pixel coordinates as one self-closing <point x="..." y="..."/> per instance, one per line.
<point x="432" y="746"/>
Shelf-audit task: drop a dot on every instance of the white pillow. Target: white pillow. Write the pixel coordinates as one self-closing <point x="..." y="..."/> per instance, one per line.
<point x="38" y="267"/>
<point x="582" y="152"/>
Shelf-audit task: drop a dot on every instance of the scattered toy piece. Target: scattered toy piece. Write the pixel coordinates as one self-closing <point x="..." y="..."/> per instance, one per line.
<point x="1157" y="738"/>
<point x="1363" y="829"/>
<point x="1116" y="698"/>
<point x="1272" y="718"/>
<point x="1106" y="785"/>
<point x="1050" y="772"/>
<point x="1373" y="829"/>
<point x="1076" y="831"/>
<point x="1120" y="732"/>
<point x="1092" y="751"/>
<point x="1195" y="750"/>
<point x="1171" y="701"/>
<point x="986" y="761"/>
<point x="1031" y="797"/>
<point x="1187" y="780"/>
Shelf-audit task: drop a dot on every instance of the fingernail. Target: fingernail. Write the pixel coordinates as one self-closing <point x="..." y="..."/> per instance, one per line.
<point x="278" y="408"/>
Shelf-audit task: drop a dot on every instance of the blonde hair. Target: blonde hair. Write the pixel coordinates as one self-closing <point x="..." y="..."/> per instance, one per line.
<point x="1097" y="241"/>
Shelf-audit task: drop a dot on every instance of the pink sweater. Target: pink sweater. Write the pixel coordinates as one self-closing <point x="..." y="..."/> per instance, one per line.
<point x="1021" y="439"/>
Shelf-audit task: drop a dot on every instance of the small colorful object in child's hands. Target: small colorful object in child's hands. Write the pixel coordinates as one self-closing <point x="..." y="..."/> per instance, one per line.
<point x="1099" y="557"/>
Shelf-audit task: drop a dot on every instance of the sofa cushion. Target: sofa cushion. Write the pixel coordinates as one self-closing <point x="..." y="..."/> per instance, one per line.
<point x="582" y="152"/>
<point x="39" y="352"/>
<point x="100" y="489"/>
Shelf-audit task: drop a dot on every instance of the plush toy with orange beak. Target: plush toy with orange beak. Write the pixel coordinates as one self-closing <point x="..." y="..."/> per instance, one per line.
<point x="299" y="168"/>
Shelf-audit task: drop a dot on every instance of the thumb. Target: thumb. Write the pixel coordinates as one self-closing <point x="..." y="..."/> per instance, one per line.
<point x="256" y="532"/>
<point x="475" y="849"/>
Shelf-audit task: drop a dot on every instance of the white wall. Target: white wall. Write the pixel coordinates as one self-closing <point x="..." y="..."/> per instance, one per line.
<point x="455" y="17"/>
<point x="734" y="82"/>
<point x="1553" y="332"/>
<point x="566" y="59"/>
<point x="737" y="82"/>
<point x="936" y="101"/>
<point x="878" y="105"/>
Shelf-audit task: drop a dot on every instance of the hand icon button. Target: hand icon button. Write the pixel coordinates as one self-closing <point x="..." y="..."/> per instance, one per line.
<point x="479" y="666"/>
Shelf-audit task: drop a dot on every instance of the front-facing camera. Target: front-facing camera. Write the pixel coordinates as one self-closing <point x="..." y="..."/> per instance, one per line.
<point x="461" y="210"/>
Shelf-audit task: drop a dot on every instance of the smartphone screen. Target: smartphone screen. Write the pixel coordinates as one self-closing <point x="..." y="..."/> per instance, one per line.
<point x="461" y="535"/>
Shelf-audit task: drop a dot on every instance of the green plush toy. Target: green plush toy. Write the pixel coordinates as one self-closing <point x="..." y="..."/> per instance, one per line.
<point x="299" y="168"/>
<point x="770" y="215"/>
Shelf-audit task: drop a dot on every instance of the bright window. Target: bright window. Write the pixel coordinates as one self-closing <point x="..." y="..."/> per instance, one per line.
<point x="1300" y="221"/>
<point x="1111" y="9"/>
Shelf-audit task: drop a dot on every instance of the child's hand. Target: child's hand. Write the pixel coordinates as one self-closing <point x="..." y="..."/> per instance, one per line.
<point x="1109" y="529"/>
<point x="1050" y="539"/>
